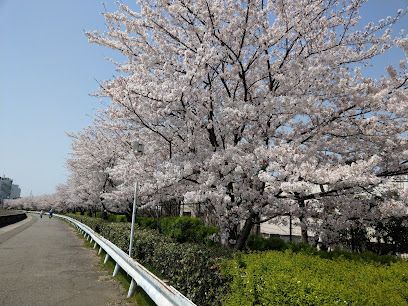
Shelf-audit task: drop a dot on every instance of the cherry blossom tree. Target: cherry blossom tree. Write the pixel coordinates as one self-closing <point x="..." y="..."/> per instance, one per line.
<point x="40" y="202"/>
<point x="95" y="150"/>
<point x="253" y="108"/>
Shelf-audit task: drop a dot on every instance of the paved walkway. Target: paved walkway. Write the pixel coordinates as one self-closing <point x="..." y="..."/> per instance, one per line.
<point x="43" y="262"/>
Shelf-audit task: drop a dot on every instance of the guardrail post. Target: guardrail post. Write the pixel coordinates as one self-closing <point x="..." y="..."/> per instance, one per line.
<point x="132" y="288"/>
<point x="90" y="240"/>
<point x="116" y="270"/>
<point x="106" y="258"/>
<point x="94" y="245"/>
<point x="100" y="250"/>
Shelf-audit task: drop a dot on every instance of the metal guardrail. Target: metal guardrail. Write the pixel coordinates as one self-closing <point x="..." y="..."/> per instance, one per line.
<point x="161" y="293"/>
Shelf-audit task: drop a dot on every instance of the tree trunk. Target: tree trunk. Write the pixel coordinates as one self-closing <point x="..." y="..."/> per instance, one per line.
<point x="303" y="230"/>
<point x="303" y="226"/>
<point x="244" y="233"/>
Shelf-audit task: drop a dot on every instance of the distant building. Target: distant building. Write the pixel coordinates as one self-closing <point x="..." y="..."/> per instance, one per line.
<point x="15" y="192"/>
<point x="5" y="187"/>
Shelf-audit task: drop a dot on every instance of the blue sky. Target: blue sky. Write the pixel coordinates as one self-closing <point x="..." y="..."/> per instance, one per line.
<point x="47" y="71"/>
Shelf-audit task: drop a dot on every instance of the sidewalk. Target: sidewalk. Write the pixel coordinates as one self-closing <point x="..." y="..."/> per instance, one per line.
<point x="46" y="264"/>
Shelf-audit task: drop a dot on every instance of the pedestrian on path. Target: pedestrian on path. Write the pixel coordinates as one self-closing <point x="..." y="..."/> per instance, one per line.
<point x="50" y="212"/>
<point x="41" y="213"/>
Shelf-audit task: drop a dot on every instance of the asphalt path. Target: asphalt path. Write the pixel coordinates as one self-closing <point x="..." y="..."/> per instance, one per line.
<point x="43" y="262"/>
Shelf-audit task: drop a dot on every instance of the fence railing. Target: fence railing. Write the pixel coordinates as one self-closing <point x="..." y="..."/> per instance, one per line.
<point x="161" y="293"/>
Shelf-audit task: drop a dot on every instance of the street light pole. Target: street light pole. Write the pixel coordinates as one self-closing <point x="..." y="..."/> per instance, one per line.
<point x="132" y="228"/>
<point x="138" y="149"/>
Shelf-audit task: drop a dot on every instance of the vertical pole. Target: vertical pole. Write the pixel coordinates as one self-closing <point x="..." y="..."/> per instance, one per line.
<point x="106" y="258"/>
<point x="132" y="229"/>
<point x="115" y="272"/>
<point x="132" y="288"/>
<point x="100" y="250"/>
<point x="290" y="227"/>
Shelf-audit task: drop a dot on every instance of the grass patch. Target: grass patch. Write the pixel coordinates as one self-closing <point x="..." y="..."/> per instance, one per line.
<point x="140" y="298"/>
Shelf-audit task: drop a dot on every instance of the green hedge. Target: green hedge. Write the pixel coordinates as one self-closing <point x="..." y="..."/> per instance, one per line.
<point x="287" y="278"/>
<point x="258" y="243"/>
<point x="300" y="275"/>
<point x="194" y="269"/>
<point x="181" y="229"/>
<point x="186" y="229"/>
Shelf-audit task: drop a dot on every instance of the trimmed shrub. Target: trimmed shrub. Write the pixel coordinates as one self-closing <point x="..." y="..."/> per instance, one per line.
<point x="300" y="275"/>
<point x="116" y="218"/>
<point x="147" y="222"/>
<point x="194" y="269"/>
<point x="181" y="229"/>
<point x="287" y="278"/>
<point x="258" y="243"/>
<point x="186" y="229"/>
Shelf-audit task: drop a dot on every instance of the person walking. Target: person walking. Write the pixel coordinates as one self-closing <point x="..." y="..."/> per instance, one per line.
<point x="50" y="212"/>
<point x="41" y="213"/>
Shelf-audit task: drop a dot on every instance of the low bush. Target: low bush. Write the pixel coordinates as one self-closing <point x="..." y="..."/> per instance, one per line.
<point x="193" y="269"/>
<point x="186" y="229"/>
<point x="299" y="275"/>
<point x="366" y="256"/>
<point x="147" y="222"/>
<point x="288" y="278"/>
<point x="258" y="243"/>
<point x="117" y="218"/>
<point x="181" y="229"/>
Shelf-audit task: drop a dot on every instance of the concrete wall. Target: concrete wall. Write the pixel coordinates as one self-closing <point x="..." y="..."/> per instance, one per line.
<point x="10" y="217"/>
